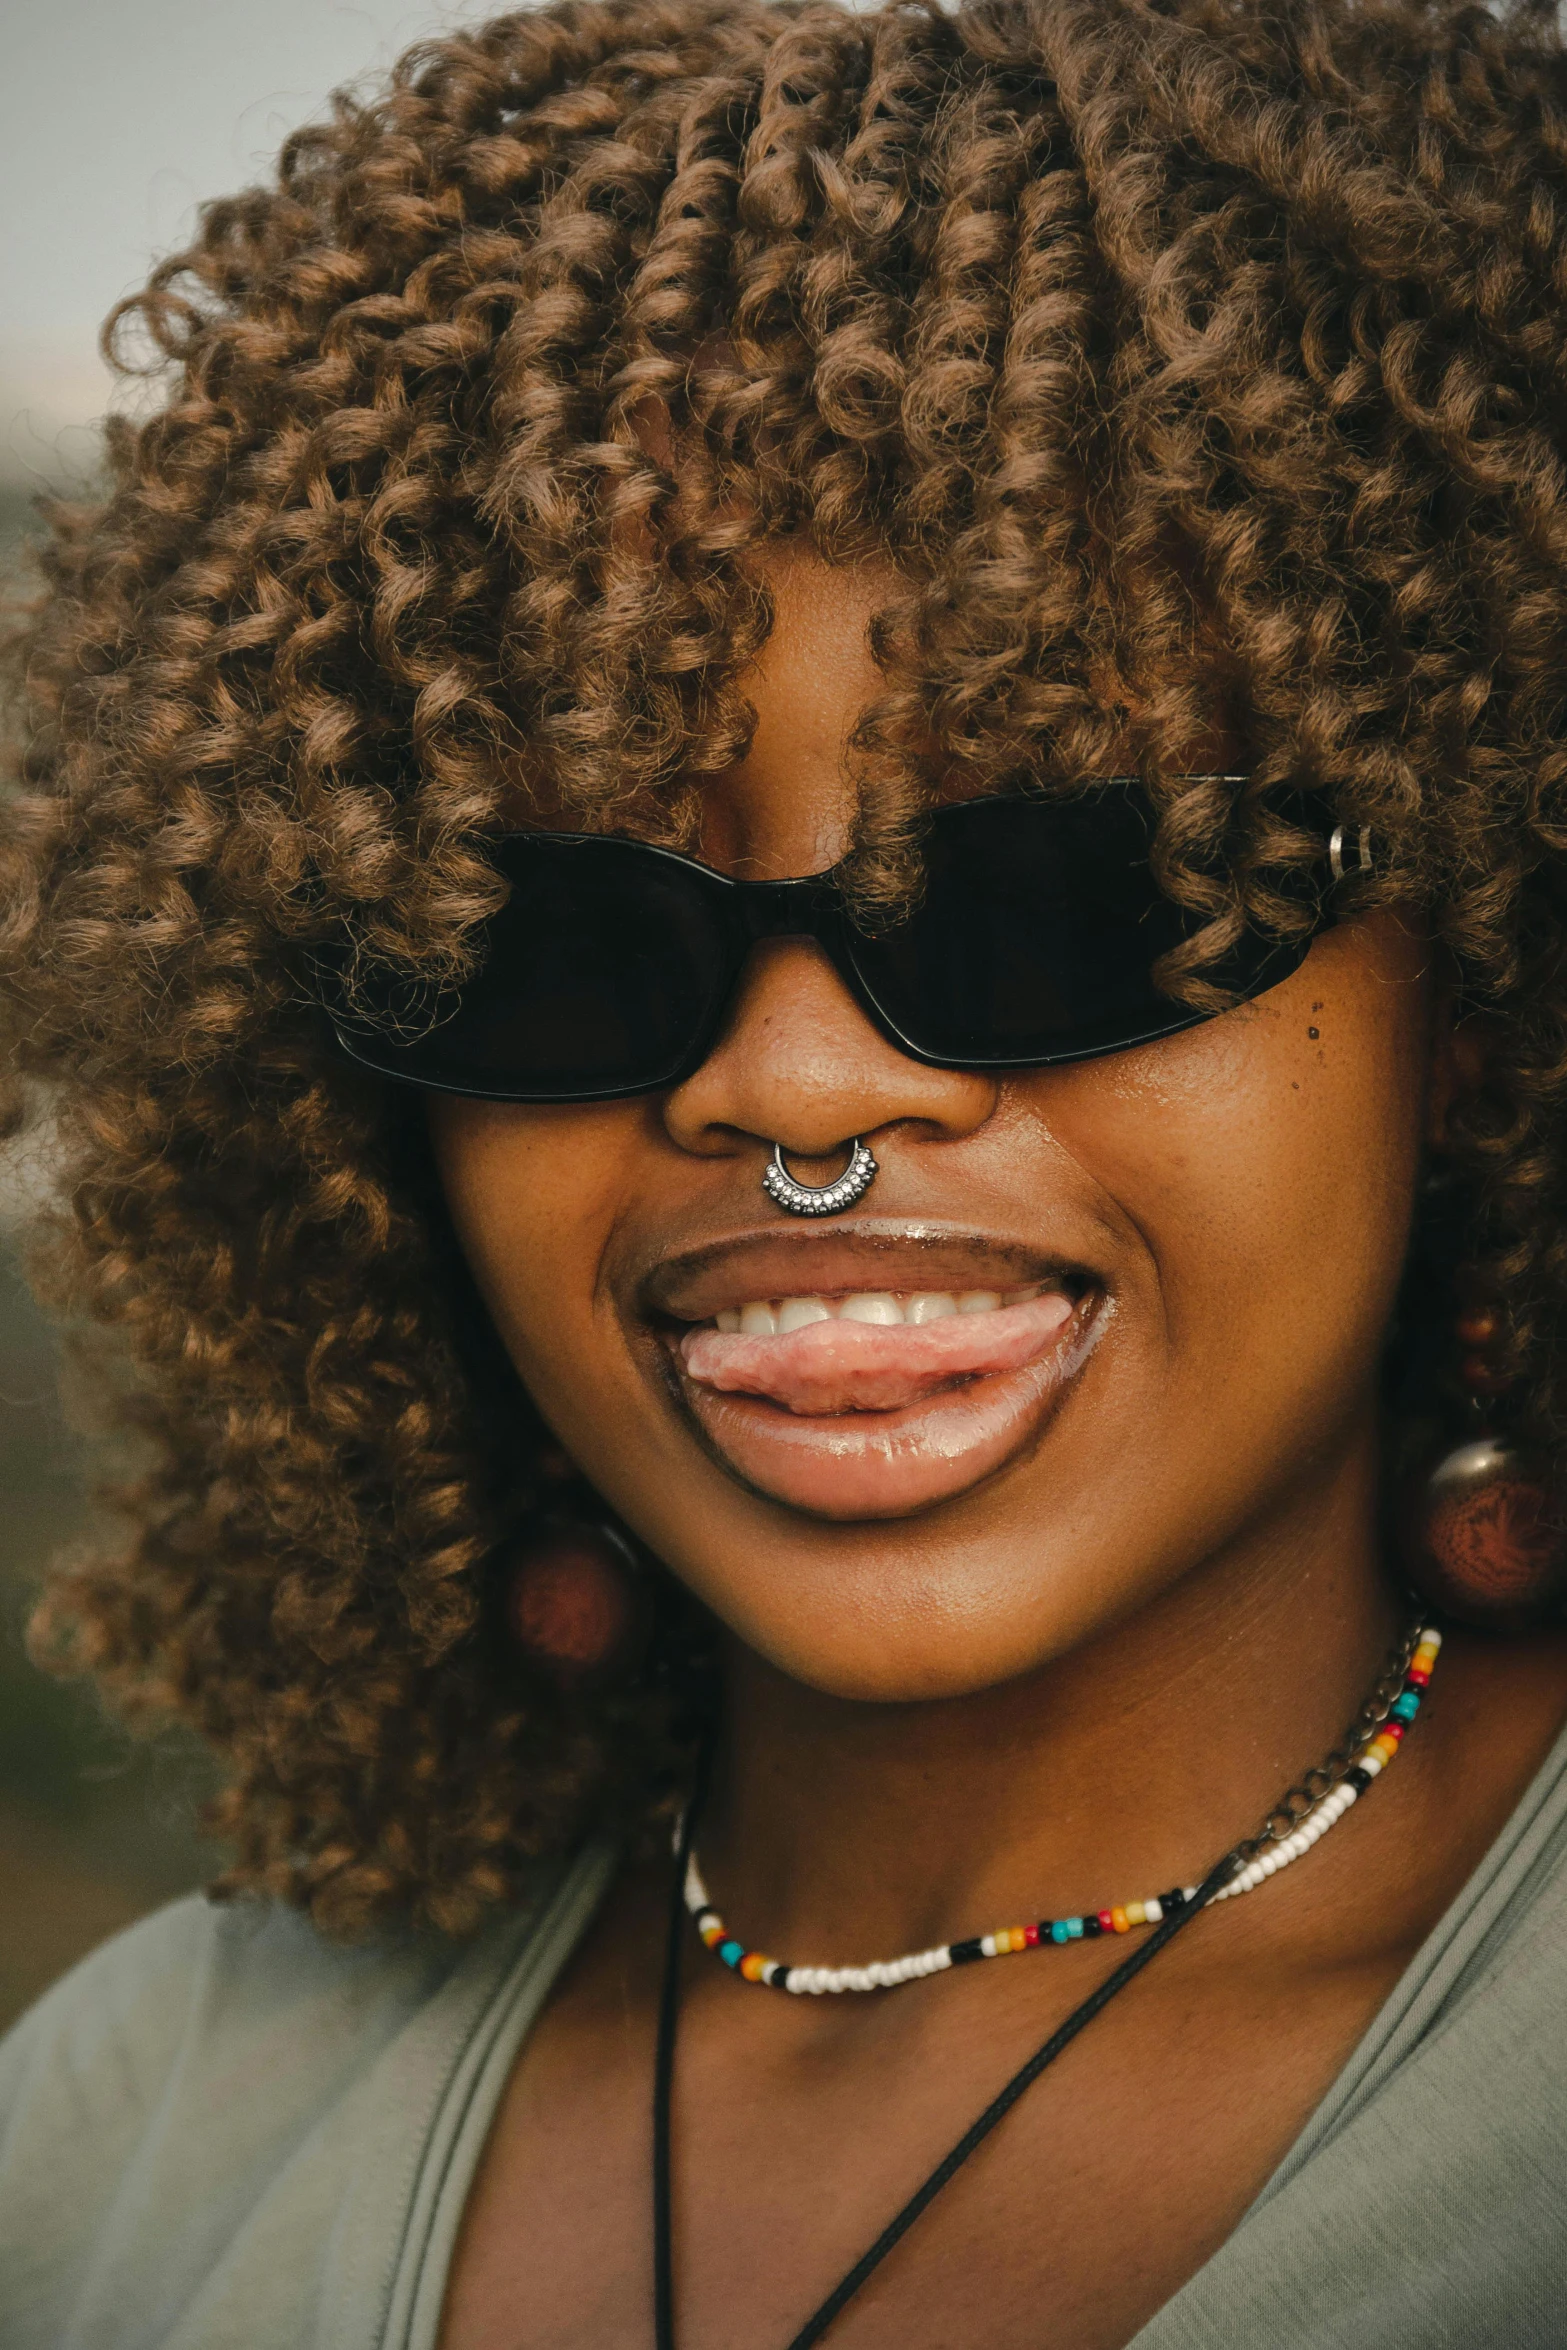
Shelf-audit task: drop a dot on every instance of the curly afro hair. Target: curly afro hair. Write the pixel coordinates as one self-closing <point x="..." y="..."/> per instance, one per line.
<point x="1178" y="351"/>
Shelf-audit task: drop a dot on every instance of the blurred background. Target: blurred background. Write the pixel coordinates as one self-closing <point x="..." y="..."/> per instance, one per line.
<point x="117" y="119"/>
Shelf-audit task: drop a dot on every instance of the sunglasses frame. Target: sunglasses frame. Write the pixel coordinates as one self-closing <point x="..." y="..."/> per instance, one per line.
<point x="810" y="906"/>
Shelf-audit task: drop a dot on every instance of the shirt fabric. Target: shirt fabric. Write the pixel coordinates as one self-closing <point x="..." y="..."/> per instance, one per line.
<point x="222" y="2133"/>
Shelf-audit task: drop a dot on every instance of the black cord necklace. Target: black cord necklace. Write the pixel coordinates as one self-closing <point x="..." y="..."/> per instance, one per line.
<point x="978" y="2131"/>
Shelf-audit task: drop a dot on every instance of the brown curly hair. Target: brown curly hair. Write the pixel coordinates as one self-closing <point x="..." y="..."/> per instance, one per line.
<point x="1177" y="350"/>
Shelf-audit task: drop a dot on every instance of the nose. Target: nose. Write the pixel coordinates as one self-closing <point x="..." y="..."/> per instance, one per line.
<point x="800" y="1064"/>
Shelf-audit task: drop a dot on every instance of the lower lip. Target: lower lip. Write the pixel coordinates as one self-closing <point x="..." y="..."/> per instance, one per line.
<point x="889" y="1464"/>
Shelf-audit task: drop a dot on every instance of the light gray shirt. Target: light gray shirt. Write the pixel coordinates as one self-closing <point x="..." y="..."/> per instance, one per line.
<point x="222" y="2133"/>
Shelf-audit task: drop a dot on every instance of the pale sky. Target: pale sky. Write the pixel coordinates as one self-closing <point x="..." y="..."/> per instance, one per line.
<point x="117" y="117"/>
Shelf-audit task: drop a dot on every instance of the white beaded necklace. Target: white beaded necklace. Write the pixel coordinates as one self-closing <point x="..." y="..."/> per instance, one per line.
<point x="1300" y="1819"/>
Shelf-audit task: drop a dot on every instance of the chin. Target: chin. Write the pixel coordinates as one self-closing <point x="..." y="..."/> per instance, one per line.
<point x="869" y="1616"/>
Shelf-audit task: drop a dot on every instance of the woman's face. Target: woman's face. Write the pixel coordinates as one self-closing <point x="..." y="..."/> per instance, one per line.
<point x="1211" y="1230"/>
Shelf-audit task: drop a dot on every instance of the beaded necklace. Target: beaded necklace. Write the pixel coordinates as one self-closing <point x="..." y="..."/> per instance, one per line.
<point x="1307" y="1813"/>
<point x="1301" y="1816"/>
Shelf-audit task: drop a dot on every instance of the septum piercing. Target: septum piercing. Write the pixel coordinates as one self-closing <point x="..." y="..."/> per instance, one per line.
<point x="820" y="1199"/>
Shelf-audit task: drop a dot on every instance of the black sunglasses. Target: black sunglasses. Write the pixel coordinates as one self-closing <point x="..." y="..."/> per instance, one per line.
<point x="611" y="966"/>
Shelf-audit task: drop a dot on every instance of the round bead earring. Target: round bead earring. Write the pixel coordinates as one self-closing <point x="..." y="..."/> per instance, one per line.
<point x="1482" y="1530"/>
<point x="574" y="1600"/>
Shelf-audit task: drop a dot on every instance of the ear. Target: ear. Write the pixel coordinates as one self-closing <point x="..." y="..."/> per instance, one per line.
<point x="1463" y="1047"/>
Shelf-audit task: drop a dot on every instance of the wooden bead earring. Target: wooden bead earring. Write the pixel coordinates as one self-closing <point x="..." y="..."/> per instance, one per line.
<point x="574" y="1600"/>
<point x="1482" y="1530"/>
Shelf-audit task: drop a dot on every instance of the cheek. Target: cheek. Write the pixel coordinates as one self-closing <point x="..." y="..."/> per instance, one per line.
<point x="1268" y="1163"/>
<point x="533" y="1194"/>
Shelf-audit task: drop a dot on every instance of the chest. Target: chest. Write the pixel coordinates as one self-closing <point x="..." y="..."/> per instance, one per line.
<point x="796" y="2139"/>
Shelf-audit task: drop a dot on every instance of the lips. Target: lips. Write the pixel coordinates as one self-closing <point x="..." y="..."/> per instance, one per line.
<point x="848" y="1403"/>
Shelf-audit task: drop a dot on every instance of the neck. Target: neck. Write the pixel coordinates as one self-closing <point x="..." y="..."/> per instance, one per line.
<point x="1122" y="1767"/>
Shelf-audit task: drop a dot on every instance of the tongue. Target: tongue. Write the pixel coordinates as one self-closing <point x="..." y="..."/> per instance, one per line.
<point x="868" y="1366"/>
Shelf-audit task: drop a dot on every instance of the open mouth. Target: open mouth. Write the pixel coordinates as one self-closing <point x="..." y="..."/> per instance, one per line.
<point x="854" y="1402"/>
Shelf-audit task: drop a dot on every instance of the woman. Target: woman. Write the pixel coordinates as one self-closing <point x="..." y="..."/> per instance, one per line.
<point x="920" y="1385"/>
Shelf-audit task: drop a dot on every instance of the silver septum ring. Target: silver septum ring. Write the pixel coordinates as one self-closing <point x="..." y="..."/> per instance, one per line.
<point x="820" y="1199"/>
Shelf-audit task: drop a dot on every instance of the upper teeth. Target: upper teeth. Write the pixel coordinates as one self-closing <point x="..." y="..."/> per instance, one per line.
<point x="769" y="1317"/>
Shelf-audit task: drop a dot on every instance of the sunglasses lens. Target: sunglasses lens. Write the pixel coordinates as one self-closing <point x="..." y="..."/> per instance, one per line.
<point x="598" y="978"/>
<point x="1035" y="936"/>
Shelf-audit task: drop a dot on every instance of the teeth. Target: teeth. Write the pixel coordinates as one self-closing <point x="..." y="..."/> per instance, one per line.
<point x="770" y="1317"/>
<point x="796" y="1312"/>
<point x="929" y="1306"/>
<point x="871" y="1305"/>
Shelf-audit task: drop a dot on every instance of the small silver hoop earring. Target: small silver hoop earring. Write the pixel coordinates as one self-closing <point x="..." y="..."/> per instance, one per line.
<point x="820" y="1199"/>
<point x="1345" y="836"/>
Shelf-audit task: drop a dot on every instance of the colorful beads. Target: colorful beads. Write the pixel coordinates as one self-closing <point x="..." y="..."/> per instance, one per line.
<point x="754" y="1966"/>
<point x="1369" y="1764"/>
